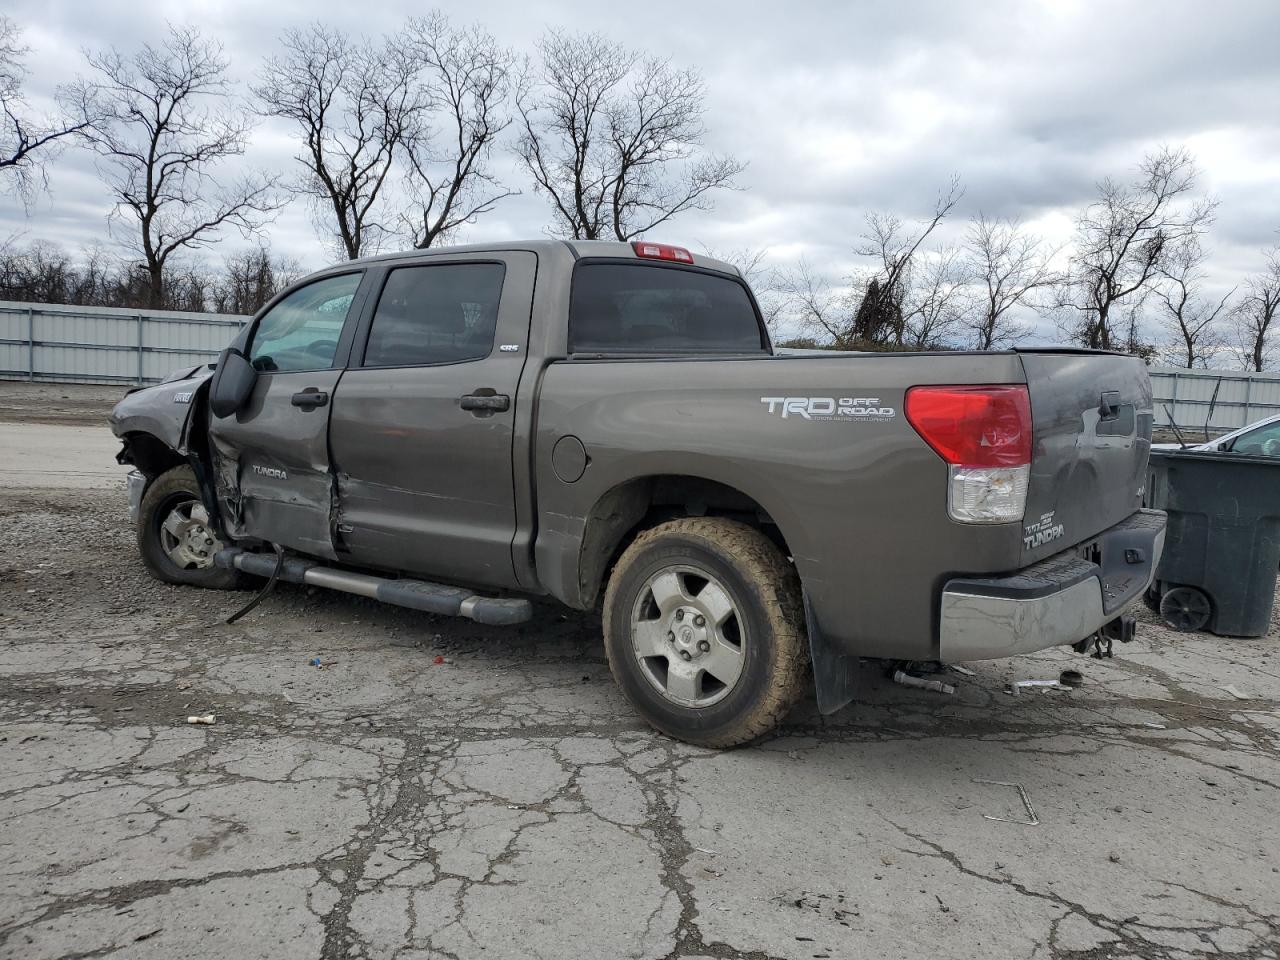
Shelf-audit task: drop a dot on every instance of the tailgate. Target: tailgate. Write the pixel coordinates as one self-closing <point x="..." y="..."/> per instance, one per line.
<point x="1091" y="414"/>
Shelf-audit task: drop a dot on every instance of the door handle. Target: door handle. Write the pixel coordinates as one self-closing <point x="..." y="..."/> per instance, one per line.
<point x="310" y="398"/>
<point x="483" y="404"/>
<point x="1109" y="407"/>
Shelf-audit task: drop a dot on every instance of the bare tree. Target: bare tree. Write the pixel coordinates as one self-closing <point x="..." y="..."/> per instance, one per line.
<point x="1008" y="265"/>
<point x="613" y="139"/>
<point x="250" y="279"/>
<point x="25" y="140"/>
<point x="1190" y="317"/>
<point x="1257" y="315"/>
<point x="162" y="126"/>
<point x="1126" y="237"/>
<point x="938" y="300"/>
<point x="893" y="245"/>
<point x="465" y="79"/>
<point x="820" y="310"/>
<point x="355" y="104"/>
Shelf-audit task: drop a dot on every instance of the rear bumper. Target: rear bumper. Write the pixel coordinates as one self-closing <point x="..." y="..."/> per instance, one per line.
<point x="1058" y="601"/>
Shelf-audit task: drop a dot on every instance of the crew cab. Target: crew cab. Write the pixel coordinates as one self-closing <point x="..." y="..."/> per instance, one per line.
<point x="608" y="425"/>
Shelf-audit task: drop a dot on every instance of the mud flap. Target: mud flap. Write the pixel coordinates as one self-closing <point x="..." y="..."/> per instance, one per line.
<point x="833" y="673"/>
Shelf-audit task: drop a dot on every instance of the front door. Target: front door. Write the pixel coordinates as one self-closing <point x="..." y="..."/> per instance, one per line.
<point x="422" y="424"/>
<point x="271" y="457"/>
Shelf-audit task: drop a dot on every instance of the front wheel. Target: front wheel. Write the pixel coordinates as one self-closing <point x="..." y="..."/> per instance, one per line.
<point x="175" y="537"/>
<point x="704" y="631"/>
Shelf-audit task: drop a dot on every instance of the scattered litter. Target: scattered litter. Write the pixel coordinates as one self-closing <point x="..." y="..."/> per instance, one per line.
<point x="963" y="671"/>
<point x="207" y="720"/>
<point x="1153" y="726"/>
<point x="909" y="680"/>
<point x="437" y="660"/>
<point x="1113" y="857"/>
<point x="1071" y="678"/>
<point x="1015" y="689"/>
<point x="1031" y="821"/>
<point x="148" y="935"/>
<point x="321" y="664"/>
<point x="183" y="808"/>
<point x="1235" y="693"/>
<point x="709" y="853"/>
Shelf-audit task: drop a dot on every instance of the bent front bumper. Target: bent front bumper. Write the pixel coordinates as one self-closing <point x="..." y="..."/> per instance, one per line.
<point x="137" y="487"/>
<point x="1058" y="601"/>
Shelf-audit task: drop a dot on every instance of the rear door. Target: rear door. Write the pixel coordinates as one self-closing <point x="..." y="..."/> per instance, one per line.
<point x="271" y="458"/>
<point x="423" y="421"/>
<point x="1092" y="415"/>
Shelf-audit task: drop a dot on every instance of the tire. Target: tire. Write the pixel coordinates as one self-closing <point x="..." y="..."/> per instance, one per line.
<point x="675" y="581"/>
<point x="169" y="555"/>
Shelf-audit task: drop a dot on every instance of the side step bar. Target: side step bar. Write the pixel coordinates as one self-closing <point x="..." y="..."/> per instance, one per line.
<point x="415" y="594"/>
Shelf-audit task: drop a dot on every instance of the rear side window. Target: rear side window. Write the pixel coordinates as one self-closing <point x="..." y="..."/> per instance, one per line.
<point x="444" y="313"/>
<point x="637" y="308"/>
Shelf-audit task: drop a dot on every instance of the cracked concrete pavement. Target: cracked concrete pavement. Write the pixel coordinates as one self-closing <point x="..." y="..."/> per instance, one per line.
<point x="506" y="802"/>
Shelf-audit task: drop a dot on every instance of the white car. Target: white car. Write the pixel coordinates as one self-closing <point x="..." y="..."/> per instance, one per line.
<point x="1260" y="439"/>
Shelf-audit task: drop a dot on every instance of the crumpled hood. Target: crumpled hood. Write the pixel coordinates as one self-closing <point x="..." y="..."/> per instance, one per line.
<point x="161" y="410"/>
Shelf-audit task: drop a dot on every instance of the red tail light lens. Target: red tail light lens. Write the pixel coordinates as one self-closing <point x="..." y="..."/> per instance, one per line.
<point x="661" y="251"/>
<point x="979" y="426"/>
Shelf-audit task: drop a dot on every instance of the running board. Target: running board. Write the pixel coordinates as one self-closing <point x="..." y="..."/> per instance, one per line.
<point x="414" y="594"/>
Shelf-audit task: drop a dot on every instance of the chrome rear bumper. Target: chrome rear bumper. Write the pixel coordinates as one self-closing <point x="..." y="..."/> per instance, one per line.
<point x="1058" y="601"/>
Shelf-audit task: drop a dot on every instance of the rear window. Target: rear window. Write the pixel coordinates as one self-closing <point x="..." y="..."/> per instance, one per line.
<point x="637" y="308"/>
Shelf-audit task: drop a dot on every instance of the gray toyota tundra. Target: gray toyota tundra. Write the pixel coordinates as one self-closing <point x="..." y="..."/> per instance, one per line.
<point x="607" y="424"/>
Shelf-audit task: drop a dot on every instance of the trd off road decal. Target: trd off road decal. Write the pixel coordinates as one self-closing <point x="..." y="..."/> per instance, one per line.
<point x="183" y="397"/>
<point x="1042" y="531"/>
<point x="845" y="409"/>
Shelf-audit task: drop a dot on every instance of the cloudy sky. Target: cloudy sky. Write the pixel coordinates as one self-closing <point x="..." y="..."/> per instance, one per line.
<point x="836" y="107"/>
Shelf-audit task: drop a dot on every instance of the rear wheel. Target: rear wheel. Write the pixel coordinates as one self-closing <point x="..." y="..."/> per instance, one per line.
<point x="175" y="536"/>
<point x="704" y="630"/>
<point x="1186" y="609"/>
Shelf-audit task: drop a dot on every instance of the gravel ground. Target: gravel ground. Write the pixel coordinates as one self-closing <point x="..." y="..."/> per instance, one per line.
<point x="506" y="803"/>
<point x="71" y="403"/>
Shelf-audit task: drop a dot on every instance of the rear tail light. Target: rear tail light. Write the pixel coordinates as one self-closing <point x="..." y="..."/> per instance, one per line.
<point x="661" y="251"/>
<point x="984" y="435"/>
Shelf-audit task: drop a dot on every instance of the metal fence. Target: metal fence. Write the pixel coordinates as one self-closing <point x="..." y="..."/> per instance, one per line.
<point x="41" y="341"/>
<point x="1216" y="401"/>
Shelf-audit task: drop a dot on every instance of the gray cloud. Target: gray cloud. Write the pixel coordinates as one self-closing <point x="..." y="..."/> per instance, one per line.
<point x="837" y="107"/>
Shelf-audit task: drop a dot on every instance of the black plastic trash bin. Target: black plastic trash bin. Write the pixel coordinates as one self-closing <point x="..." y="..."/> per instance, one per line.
<point x="1222" y="545"/>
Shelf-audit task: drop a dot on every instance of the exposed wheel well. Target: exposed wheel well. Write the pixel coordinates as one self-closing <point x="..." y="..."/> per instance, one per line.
<point x="629" y="509"/>
<point x="151" y="455"/>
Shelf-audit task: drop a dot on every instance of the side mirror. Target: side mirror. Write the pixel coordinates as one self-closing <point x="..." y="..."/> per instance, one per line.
<point x="232" y="384"/>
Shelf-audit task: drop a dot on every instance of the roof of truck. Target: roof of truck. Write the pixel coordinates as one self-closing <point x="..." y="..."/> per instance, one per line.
<point x="579" y="248"/>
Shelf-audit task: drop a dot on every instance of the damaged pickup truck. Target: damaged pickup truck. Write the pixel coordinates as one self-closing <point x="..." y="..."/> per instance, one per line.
<point x="607" y="424"/>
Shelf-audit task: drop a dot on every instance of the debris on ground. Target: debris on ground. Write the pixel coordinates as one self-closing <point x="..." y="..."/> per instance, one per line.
<point x="321" y="664"/>
<point x="911" y="680"/>
<point x="437" y="660"/>
<point x="1018" y="686"/>
<point x="1031" y="821"/>
<point x="206" y="720"/>
<point x="963" y="671"/>
<point x="1235" y="693"/>
<point x="1071" y="678"/>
